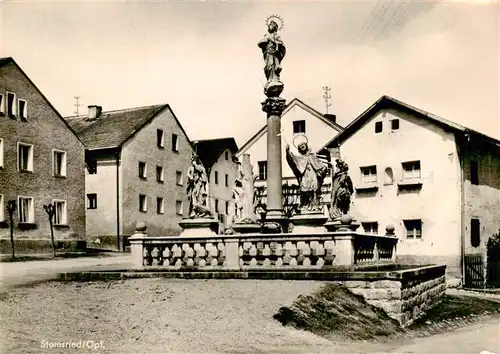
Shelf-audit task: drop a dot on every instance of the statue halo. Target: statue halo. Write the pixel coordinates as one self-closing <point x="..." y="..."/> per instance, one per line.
<point x="277" y="19"/>
<point x="299" y="139"/>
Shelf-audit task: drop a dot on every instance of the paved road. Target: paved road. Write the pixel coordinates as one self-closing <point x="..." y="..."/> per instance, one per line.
<point x="22" y="273"/>
<point x="473" y="339"/>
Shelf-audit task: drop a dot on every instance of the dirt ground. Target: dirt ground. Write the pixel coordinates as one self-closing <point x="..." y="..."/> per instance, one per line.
<point x="162" y="316"/>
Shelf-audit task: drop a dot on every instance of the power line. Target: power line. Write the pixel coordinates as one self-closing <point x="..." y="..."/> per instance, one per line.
<point x="390" y="20"/>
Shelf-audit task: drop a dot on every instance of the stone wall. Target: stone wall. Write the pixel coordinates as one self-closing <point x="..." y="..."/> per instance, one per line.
<point x="404" y="295"/>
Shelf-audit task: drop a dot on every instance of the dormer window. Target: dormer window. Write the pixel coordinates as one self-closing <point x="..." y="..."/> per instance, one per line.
<point x="299" y="126"/>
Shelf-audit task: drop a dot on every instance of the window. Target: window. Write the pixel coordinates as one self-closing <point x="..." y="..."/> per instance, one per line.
<point x="60" y="217"/>
<point x="142" y="170"/>
<point x="22" y="109"/>
<point x="226" y="155"/>
<point x="378" y="127"/>
<point x="216" y="205"/>
<point x="159" y="205"/>
<point x="92" y="166"/>
<point x="395" y="124"/>
<point x="370" y="227"/>
<point x="475" y="232"/>
<point x="25" y="157"/>
<point x="369" y="174"/>
<point x="216" y="177"/>
<point x="299" y="126"/>
<point x="262" y="170"/>
<point x="226" y="180"/>
<point x="474" y="175"/>
<point x="159" y="174"/>
<point x="2" y="105"/>
<point x="178" y="178"/>
<point x="11" y="104"/>
<point x="92" y="201"/>
<point x="175" y="143"/>
<point x="178" y="207"/>
<point x="413" y="228"/>
<point x="26" y="210"/>
<point x="1" y="152"/>
<point x="2" y="208"/>
<point x="58" y="163"/>
<point x="142" y="203"/>
<point x="227" y="207"/>
<point x="160" y="138"/>
<point x="411" y="170"/>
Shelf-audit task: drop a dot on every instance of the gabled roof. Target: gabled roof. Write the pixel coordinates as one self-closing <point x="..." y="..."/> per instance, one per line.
<point x="113" y="128"/>
<point x="7" y="60"/>
<point x="210" y="150"/>
<point x="295" y="102"/>
<point x="386" y="102"/>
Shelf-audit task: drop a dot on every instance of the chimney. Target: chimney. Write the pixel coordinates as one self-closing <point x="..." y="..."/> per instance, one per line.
<point x="94" y="112"/>
<point x="331" y="117"/>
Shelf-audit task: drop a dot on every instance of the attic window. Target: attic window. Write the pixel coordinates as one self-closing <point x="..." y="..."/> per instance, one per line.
<point x="160" y="138"/>
<point x="299" y="126"/>
<point x="11" y="104"/>
<point x="2" y="105"/>
<point x="378" y="127"/>
<point x="474" y="175"/>
<point x="395" y="124"/>
<point x="22" y="109"/>
<point x="226" y="155"/>
<point x="175" y="143"/>
<point x="262" y="170"/>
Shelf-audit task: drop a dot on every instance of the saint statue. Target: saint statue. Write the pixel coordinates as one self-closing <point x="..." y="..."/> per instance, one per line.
<point x="243" y="192"/>
<point x="310" y="172"/>
<point x="342" y="190"/>
<point x="197" y="189"/>
<point x="274" y="51"/>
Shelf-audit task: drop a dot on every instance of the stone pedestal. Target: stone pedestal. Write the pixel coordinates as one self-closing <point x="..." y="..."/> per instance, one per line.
<point x="310" y="223"/>
<point x="344" y="245"/>
<point x="246" y="228"/>
<point x="199" y="227"/>
<point x="344" y="223"/>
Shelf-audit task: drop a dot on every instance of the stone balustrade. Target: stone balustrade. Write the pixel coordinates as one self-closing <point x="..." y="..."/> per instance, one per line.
<point x="262" y="251"/>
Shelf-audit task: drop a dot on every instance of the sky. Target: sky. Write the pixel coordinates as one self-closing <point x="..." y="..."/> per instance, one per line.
<point x="201" y="57"/>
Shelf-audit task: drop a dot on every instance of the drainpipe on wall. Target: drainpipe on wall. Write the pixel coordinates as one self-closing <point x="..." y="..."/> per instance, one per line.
<point x="117" y="200"/>
<point x="461" y="154"/>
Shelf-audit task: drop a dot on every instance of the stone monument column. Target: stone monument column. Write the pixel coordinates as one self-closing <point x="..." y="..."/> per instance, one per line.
<point x="274" y="106"/>
<point x="273" y="50"/>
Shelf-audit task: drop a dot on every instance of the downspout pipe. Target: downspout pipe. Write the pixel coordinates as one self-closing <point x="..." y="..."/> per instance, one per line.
<point x="461" y="156"/>
<point x="117" y="155"/>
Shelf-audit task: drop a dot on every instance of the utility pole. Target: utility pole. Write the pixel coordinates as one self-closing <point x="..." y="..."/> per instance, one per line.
<point x="77" y="105"/>
<point x="327" y="97"/>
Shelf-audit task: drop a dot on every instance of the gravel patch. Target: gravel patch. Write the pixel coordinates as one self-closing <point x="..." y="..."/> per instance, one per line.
<point x="158" y="316"/>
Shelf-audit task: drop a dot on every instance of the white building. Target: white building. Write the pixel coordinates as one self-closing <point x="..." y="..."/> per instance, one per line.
<point x="298" y="118"/>
<point x="436" y="181"/>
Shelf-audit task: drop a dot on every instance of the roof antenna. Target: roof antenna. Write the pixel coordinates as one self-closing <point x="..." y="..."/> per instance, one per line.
<point x="327" y="97"/>
<point x="77" y="105"/>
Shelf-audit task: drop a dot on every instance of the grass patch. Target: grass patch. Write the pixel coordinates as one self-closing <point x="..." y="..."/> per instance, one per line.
<point x="453" y="307"/>
<point x="334" y="310"/>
